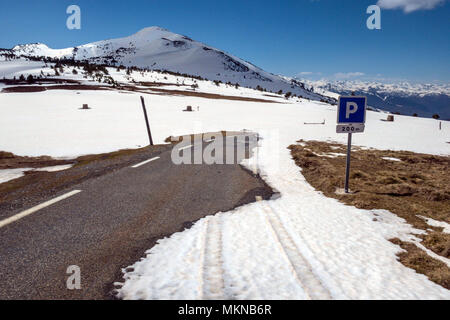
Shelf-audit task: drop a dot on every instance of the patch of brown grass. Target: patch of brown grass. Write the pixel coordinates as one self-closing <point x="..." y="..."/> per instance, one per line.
<point x="439" y="242"/>
<point x="417" y="259"/>
<point x="160" y="84"/>
<point x="9" y="160"/>
<point x="418" y="185"/>
<point x="152" y="88"/>
<point x="210" y="95"/>
<point x="27" y="89"/>
<point x="83" y="160"/>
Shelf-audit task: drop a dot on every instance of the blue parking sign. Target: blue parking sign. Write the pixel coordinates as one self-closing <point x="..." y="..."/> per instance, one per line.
<point x="352" y="109"/>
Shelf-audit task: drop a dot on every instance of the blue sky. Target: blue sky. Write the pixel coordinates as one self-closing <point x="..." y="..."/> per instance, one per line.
<point x="321" y="38"/>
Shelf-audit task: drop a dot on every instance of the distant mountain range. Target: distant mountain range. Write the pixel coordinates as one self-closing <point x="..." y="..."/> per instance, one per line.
<point x="159" y="49"/>
<point x="425" y="100"/>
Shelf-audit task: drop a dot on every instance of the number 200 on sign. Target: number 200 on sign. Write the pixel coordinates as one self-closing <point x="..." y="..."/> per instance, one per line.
<point x="350" y="128"/>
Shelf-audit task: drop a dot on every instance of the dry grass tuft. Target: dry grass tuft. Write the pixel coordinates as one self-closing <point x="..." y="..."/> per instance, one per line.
<point x="439" y="242"/>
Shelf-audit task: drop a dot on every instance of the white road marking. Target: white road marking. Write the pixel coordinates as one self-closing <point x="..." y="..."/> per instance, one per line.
<point x="36" y="208"/>
<point x="144" y="162"/>
<point x="187" y="147"/>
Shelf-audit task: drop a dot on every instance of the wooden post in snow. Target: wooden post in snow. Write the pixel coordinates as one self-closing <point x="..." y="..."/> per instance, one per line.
<point x="146" y="121"/>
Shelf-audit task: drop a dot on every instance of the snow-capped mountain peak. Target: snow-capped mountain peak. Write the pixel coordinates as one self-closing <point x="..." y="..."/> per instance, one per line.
<point x="160" y="49"/>
<point x="30" y="48"/>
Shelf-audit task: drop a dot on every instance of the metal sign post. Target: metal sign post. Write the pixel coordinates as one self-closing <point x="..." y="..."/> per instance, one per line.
<point x="347" y="168"/>
<point x="351" y="117"/>
<point x="146" y="121"/>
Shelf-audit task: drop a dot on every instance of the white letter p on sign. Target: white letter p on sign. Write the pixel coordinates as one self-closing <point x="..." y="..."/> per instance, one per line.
<point x="350" y="108"/>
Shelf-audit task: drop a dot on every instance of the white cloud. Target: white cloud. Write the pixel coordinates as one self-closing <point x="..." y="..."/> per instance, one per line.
<point x="308" y="75"/>
<point x="409" y="5"/>
<point x="348" y="75"/>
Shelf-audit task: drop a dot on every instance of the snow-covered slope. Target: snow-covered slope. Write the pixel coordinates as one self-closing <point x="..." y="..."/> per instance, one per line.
<point x="160" y="49"/>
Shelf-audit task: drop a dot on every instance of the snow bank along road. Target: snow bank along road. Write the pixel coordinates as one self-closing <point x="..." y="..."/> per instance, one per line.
<point x="106" y="223"/>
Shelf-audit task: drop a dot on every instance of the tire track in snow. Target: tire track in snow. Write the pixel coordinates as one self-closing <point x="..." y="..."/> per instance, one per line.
<point x="202" y="259"/>
<point x="213" y="283"/>
<point x="301" y="269"/>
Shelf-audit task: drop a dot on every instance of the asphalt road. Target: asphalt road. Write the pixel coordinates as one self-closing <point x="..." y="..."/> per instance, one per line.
<point x="111" y="222"/>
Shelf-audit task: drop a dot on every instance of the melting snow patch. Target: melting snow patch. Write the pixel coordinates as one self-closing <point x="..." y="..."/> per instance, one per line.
<point x="435" y="223"/>
<point x="55" y="168"/>
<point x="390" y="159"/>
<point x="11" y="174"/>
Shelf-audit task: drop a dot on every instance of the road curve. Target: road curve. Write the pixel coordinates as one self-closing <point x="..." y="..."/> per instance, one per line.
<point x="107" y="222"/>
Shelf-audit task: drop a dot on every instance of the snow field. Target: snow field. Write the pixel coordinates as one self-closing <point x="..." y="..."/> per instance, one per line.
<point x="301" y="245"/>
